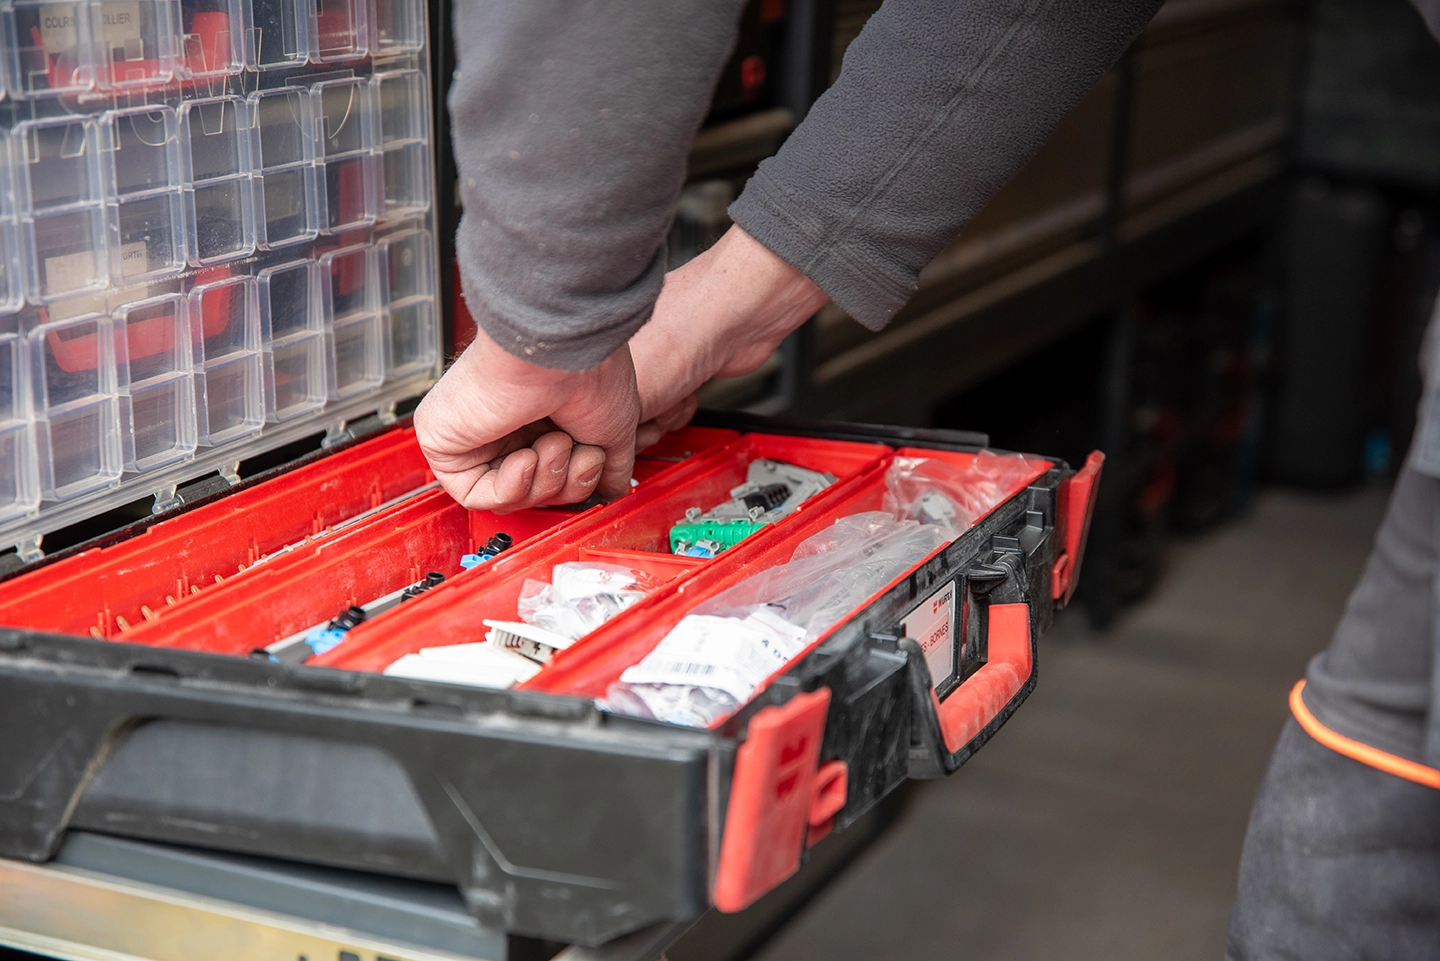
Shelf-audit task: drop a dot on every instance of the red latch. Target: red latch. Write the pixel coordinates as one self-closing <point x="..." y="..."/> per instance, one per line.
<point x="832" y="787"/>
<point x="773" y="799"/>
<point x="1075" y="503"/>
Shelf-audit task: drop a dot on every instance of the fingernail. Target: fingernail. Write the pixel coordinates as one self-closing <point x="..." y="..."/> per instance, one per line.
<point x="590" y="476"/>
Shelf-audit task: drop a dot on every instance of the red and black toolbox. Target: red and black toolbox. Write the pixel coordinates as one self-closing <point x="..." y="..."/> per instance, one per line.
<point x="131" y="704"/>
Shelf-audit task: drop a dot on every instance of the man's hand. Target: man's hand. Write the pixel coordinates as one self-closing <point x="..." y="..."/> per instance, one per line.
<point x="502" y="434"/>
<point x="722" y="314"/>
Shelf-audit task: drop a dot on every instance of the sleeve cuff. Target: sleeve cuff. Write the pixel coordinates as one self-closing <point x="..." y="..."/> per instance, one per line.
<point x="854" y="282"/>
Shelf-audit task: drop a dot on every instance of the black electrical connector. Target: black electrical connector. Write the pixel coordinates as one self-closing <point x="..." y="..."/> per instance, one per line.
<point x="767" y="498"/>
<point x="497" y="544"/>
<point x="349" y="618"/>
<point x="432" y="579"/>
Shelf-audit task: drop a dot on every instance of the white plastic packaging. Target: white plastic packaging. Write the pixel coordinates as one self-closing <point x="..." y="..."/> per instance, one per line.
<point x="715" y="659"/>
<point x="934" y="491"/>
<point x="580" y="597"/>
<point x="478" y="665"/>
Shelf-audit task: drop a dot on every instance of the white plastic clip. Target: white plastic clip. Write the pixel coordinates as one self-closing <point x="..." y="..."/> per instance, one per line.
<point x="28" y="550"/>
<point x="166" y="498"/>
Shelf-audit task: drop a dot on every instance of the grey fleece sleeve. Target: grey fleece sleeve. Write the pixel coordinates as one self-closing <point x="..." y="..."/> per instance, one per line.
<point x="938" y="104"/>
<point x="571" y="121"/>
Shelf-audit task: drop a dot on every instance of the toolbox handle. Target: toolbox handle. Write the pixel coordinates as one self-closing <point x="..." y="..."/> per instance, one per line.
<point x="984" y="694"/>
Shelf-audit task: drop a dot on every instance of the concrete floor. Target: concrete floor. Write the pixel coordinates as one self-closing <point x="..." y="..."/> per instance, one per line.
<point x="1105" y="820"/>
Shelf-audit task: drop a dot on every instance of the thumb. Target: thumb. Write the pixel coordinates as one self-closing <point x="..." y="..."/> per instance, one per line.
<point x="619" y="465"/>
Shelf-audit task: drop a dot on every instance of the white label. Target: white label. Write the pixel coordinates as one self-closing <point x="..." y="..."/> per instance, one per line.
<point x="725" y="653"/>
<point x="134" y="259"/>
<point x="73" y="269"/>
<point x="932" y="626"/>
<point x="122" y="28"/>
<point x="57" y="28"/>
<point x="70" y="272"/>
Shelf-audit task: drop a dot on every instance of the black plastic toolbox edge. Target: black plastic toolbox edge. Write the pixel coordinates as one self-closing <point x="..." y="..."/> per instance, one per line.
<point x="937" y="438"/>
<point x="649" y="863"/>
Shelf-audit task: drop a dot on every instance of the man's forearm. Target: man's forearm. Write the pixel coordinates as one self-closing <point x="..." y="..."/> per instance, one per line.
<point x="938" y="104"/>
<point x="572" y="120"/>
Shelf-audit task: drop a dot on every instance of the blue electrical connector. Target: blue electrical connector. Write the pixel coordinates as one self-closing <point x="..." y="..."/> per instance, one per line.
<point x="297" y="649"/>
<point x="498" y="544"/>
<point x="322" y="639"/>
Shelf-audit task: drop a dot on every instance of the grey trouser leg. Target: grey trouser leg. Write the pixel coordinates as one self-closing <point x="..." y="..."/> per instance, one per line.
<point x="1341" y="861"/>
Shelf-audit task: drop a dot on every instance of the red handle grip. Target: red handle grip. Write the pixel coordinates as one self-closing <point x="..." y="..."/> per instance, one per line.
<point x="984" y="694"/>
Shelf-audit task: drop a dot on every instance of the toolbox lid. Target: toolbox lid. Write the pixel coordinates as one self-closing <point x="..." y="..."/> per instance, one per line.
<point x="209" y="246"/>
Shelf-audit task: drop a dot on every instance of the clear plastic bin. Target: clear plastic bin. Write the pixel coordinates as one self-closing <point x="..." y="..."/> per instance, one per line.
<point x="156" y="387"/>
<point x="348" y="286"/>
<point x="279" y="34"/>
<point x="345" y="122"/>
<point x="399" y="28"/>
<point x="402" y="101"/>
<point x="143" y="189"/>
<point x="200" y="258"/>
<point x="12" y="292"/>
<point x="407" y="298"/>
<point x="340" y="30"/>
<point x="137" y="43"/>
<point x="212" y="37"/>
<point x="61" y="208"/>
<point x="284" y="162"/>
<point x="229" y="373"/>
<point x="215" y="140"/>
<point x="292" y="333"/>
<point x="47" y="48"/>
<point x="19" y="480"/>
<point x="76" y="405"/>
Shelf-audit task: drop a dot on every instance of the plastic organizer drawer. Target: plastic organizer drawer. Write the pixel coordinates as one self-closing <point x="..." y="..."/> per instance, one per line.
<point x="148" y="687"/>
<point x="217" y="236"/>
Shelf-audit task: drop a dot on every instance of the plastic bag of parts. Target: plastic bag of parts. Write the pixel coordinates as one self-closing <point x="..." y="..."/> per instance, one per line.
<point x="936" y="492"/>
<point x="706" y="667"/>
<point x="579" y="598"/>
<point x="718" y="656"/>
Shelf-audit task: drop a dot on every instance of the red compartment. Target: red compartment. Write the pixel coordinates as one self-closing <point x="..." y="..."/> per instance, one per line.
<point x="453" y="613"/>
<point x="310" y="585"/>
<point x="172" y="563"/>
<point x="662" y="567"/>
<point x="676" y="446"/>
<point x="688" y="441"/>
<point x="596" y="661"/>
<point x="175" y="559"/>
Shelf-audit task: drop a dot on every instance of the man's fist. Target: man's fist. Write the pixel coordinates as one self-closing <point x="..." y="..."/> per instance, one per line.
<point x="502" y="434"/>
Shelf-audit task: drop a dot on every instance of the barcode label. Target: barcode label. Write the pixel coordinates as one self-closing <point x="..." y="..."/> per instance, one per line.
<point x="730" y="654"/>
<point x="683" y="667"/>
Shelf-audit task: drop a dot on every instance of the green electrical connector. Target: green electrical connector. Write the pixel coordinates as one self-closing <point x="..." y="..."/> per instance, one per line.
<point x="724" y="533"/>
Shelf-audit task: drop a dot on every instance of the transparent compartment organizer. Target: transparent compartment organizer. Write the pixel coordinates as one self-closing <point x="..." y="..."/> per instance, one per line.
<point x="216" y="236"/>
